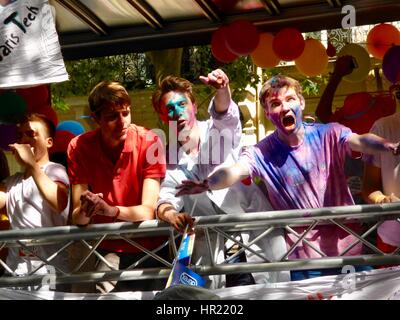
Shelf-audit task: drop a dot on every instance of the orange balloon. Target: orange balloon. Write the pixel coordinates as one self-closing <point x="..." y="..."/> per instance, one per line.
<point x="314" y="60"/>
<point x="263" y="56"/>
<point x="381" y="38"/>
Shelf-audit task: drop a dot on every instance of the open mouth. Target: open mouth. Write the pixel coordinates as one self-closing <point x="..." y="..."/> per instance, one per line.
<point x="181" y="123"/>
<point x="288" y="121"/>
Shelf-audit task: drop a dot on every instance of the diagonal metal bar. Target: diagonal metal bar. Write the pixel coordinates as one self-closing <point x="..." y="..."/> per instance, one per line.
<point x="301" y="238"/>
<point x="93" y="249"/>
<point x="52" y="257"/>
<point x="38" y="256"/>
<point x="339" y="224"/>
<point x="135" y="264"/>
<point x="148" y="13"/>
<point x="364" y="235"/>
<point x="272" y="6"/>
<point x="208" y="241"/>
<point x="210" y="10"/>
<point x="3" y="264"/>
<point x="173" y="237"/>
<point x="246" y="247"/>
<point x="86" y="15"/>
<point x="101" y="258"/>
<point x="148" y="252"/>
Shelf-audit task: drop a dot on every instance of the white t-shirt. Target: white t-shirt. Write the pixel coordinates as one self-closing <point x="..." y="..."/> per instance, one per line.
<point x="388" y="128"/>
<point x="26" y="209"/>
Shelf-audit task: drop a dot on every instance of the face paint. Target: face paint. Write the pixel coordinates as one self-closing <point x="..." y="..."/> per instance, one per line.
<point x="176" y="106"/>
<point x="278" y="120"/>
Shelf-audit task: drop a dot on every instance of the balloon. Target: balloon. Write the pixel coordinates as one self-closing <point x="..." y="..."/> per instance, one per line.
<point x="360" y="72"/>
<point x="72" y="126"/>
<point x="314" y="60"/>
<point x="49" y="112"/>
<point x="391" y="64"/>
<point x="61" y="141"/>
<point x="331" y="50"/>
<point x="8" y="134"/>
<point x="380" y="38"/>
<point x="12" y="107"/>
<point x="242" y="37"/>
<point x="263" y="56"/>
<point x="35" y="97"/>
<point x="219" y="48"/>
<point x="288" y="44"/>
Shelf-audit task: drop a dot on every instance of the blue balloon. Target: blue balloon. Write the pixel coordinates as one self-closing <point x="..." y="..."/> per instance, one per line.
<point x="72" y="126"/>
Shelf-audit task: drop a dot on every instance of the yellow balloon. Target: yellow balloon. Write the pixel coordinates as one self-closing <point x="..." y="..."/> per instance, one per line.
<point x="263" y="56"/>
<point x="363" y="62"/>
<point x="314" y="60"/>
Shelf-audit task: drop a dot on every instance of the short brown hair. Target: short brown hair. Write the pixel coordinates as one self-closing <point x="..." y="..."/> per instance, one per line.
<point x="172" y="83"/>
<point x="278" y="82"/>
<point x="43" y="119"/>
<point x="107" y="92"/>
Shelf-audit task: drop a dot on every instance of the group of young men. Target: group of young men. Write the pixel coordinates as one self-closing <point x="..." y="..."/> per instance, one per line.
<point x="119" y="172"/>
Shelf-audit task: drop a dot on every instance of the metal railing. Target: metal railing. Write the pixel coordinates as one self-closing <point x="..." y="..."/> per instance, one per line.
<point x="224" y="225"/>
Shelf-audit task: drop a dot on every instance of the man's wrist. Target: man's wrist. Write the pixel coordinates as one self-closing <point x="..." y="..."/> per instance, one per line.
<point x="118" y="211"/>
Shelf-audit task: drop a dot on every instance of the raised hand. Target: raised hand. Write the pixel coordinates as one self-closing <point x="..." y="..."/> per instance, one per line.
<point x="92" y="204"/>
<point x="216" y="78"/>
<point x="23" y="154"/>
<point x="344" y="66"/>
<point x="191" y="187"/>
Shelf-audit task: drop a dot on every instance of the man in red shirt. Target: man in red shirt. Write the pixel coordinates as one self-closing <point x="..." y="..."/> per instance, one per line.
<point x="113" y="178"/>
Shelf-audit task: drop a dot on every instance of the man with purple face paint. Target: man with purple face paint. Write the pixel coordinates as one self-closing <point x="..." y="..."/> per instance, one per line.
<point x="201" y="148"/>
<point x="302" y="167"/>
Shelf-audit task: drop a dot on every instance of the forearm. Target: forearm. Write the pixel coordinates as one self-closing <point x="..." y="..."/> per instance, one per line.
<point x="324" y="108"/>
<point x="225" y="177"/>
<point x="370" y="143"/>
<point x="222" y="99"/>
<point x="138" y="213"/>
<point x="54" y="194"/>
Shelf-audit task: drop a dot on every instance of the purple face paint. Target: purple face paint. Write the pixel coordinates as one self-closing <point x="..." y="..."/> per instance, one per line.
<point x="281" y="119"/>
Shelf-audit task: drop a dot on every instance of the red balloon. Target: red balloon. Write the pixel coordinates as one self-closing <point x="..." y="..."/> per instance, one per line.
<point x="61" y="141"/>
<point x="49" y="112"/>
<point x="380" y="39"/>
<point x="288" y="44"/>
<point x="35" y="97"/>
<point x="331" y="50"/>
<point x="219" y="48"/>
<point x="242" y="37"/>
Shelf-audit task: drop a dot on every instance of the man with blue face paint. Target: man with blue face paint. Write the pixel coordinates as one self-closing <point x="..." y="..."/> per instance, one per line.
<point x="301" y="165"/>
<point x="203" y="147"/>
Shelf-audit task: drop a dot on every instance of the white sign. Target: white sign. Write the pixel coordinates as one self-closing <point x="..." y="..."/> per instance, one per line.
<point x="29" y="49"/>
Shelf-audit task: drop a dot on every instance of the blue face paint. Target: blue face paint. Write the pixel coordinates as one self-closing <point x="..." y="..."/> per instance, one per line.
<point x="176" y="106"/>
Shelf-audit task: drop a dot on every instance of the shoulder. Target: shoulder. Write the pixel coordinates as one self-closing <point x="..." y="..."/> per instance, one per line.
<point x="84" y="139"/>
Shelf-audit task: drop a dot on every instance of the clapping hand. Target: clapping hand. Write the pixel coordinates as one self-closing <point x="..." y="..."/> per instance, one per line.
<point x="92" y="204"/>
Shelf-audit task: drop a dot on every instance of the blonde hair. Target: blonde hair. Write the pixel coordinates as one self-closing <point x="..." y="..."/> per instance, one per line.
<point x="105" y="93"/>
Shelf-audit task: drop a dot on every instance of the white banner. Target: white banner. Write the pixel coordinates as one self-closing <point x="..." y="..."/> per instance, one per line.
<point x="29" y="49"/>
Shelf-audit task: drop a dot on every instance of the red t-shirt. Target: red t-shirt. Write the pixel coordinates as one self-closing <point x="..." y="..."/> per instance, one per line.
<point x="121" y="184"/>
